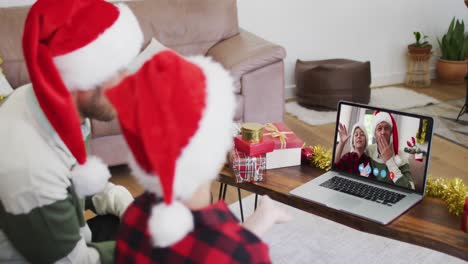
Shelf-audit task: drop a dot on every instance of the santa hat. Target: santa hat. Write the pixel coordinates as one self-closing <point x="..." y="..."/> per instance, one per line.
<point x="176" y="115"/>
<point x="77" y="45"/>
<point x="363" y="128"/>
<point x="388" y="118"/>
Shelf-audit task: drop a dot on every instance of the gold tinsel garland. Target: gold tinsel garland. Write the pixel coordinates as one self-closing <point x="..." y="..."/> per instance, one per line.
<point x="321" y="157"/>
<point x="453" y="192"/>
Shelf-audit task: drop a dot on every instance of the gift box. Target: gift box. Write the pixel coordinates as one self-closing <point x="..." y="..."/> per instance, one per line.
<point x="253" y="149"/>
<point x="464" y="223"/>
<point x="288" y="146"/>
<point x="247" y="168"/>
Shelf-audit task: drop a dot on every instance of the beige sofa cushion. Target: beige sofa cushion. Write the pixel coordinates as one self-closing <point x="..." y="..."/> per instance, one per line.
<point x="245" y="53"/>
<point x="189" y="27"/>
<point x="11" y="29"/>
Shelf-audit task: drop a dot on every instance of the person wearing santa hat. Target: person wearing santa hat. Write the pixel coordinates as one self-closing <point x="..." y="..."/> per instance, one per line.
<point x="176" y="116"/>
<point x="386" y="159"/>
<point x="356" y="161"/>
<point x="73" y="50"/>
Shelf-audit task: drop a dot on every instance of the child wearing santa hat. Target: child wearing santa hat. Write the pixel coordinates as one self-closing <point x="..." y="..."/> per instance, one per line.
<point x="356" y="161"/>
<point x="386" y="159"/>
<point x="176" y="115"/>
<point x="73" y="50"/>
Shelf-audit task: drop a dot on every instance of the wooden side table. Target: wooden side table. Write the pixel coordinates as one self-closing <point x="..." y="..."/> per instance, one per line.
<point x="418" y="74"/>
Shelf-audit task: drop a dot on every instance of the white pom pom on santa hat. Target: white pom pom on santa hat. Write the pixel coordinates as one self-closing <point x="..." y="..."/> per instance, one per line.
<point x="169" y="224"/>
<point x="91" y="177"/>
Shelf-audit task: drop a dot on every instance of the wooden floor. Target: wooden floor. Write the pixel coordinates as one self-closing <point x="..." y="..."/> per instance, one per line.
<point x="448" y="160"/>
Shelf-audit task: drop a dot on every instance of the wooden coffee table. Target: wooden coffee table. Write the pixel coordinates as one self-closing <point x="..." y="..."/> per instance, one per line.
<point x="427" y="224"/>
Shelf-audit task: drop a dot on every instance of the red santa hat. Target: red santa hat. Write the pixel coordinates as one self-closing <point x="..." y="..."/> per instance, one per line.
<point x="77" y="45"/>
<point x="388" y="118"/>
<point x="176" y="115"/>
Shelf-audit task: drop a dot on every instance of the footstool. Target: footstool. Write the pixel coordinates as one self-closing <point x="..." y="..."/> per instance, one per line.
<point x="321" y="84"/>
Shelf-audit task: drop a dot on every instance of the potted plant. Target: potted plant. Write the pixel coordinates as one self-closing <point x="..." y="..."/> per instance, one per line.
<point x="421" y="46"/>
<point x="452" y="65"/>
<point x="466" y="44"/>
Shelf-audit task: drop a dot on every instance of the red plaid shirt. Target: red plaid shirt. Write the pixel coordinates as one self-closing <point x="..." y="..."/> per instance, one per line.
<point x="217" y="238"/>
<point x="350" y="161"/>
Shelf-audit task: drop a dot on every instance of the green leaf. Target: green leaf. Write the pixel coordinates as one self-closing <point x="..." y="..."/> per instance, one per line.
<point x="452" y="45"/>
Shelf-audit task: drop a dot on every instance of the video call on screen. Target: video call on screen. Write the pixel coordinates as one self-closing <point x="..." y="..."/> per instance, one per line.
<point x="372" y="140"/>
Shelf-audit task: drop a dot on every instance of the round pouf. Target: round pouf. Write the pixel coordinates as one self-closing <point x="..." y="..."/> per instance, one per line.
<point x="322" y="84"/>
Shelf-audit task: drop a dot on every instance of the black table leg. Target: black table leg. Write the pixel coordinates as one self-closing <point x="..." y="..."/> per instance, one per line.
<point x="464" y="109"/>
<point x="220" y="190"/>
<point x="224" y="191"/>
<point x="240" y="204"/>
<point x="255" y="205"/>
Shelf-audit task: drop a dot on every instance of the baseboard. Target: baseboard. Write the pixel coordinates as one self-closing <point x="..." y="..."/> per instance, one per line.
<point x="394" y="78"/>
<point x="377" y="81"/>
<point x="289" y="91"/>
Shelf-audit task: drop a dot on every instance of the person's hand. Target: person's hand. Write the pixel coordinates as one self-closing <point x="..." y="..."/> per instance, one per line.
<point x="266" y="215"/>
<point x="385" y="149"/>
<point x="114" y="200"/>
<point x="343" y="132"/>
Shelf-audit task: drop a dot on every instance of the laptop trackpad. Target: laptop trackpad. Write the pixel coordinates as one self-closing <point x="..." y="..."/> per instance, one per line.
<point x="343" y="201"/>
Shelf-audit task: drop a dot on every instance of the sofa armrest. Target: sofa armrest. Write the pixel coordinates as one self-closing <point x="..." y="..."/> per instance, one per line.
<point x="244" y="53"/>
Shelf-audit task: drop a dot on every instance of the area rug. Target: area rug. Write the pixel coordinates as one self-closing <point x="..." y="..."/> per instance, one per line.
<point x="446" y="126"/>
<point x="388" y="97"/>
<point x="312" y="239"/>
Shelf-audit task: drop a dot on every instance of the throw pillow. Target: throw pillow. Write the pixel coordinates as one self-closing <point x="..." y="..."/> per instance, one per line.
<point x="153" y="47"/>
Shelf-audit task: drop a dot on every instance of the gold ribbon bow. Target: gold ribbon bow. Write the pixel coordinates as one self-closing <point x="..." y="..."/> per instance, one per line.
<point x="274" y="132"/>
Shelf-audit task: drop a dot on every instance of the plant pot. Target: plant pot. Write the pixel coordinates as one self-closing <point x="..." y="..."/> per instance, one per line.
<point x="452" y="72"/>
<point x="413" y="49"/>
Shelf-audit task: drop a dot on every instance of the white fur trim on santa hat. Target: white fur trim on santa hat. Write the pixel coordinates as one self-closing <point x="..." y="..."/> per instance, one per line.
<point x="380" y="117"/>
<point x="168" y="224"/>
<point x="207" y="149"/>
<point x="91" y="177"/>
<point x="149" y="181"/>
<point x="100" y="60"/>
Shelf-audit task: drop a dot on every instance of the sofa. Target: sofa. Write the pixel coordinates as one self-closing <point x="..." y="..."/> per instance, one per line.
<point x="201" y="27"/>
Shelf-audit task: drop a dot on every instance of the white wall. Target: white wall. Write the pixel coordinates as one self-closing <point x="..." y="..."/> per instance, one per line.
<point x="374" y="30"/>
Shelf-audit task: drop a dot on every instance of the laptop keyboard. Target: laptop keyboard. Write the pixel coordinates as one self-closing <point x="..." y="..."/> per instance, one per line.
<point x="362" y="190"/>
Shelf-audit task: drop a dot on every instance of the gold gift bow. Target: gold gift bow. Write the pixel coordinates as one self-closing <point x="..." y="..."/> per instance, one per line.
<point x="274" y="132"/>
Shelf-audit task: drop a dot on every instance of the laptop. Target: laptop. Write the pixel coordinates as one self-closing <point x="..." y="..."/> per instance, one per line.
<point x="366" y="179"/>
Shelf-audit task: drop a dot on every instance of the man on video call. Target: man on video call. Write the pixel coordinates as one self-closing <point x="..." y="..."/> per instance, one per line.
<point x="387" y="165"/>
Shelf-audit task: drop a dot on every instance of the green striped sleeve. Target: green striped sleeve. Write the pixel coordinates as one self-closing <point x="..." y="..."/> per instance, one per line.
<point x="106" y="251"/>
<point x="47" y="233"/>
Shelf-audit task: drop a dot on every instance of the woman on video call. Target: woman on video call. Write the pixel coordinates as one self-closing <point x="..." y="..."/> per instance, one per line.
<point x="356" y="161"/>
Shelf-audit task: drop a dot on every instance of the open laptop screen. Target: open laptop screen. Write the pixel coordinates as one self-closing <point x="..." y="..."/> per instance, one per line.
<point x="383" y="145"/>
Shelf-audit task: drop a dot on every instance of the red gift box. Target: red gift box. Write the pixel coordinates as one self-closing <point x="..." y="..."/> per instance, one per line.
<point x="287" y="146"/>
<point x="253" y="149"/>
<point x="282" y="136"/>
<point x="464" y="223"/>
<point x="247" y="168"/>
